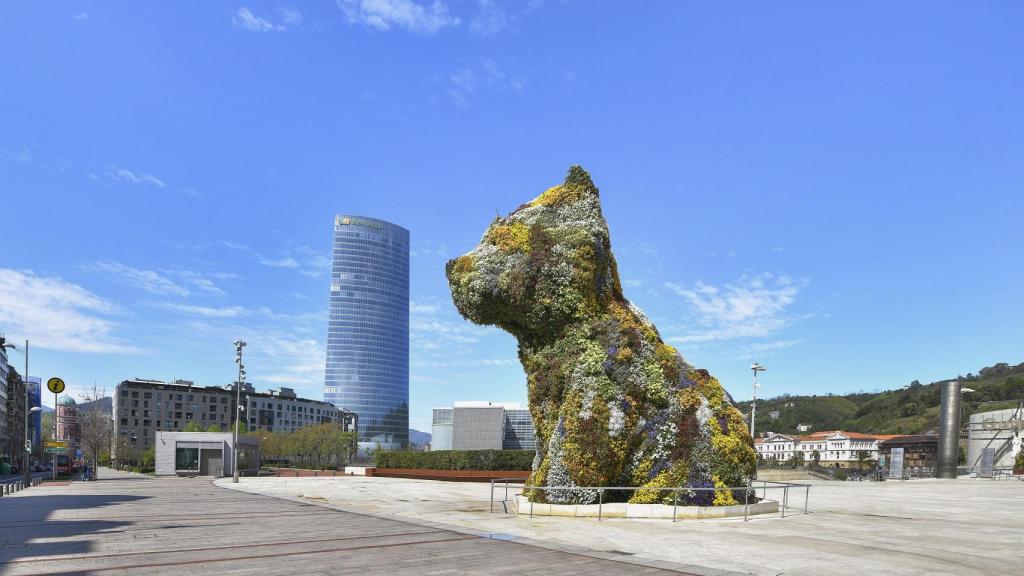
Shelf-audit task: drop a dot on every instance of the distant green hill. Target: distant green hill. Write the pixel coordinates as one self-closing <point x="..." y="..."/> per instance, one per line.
<point x="913" y="409"/>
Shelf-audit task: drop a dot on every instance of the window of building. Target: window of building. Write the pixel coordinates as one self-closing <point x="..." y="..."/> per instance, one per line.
<point x="186" y="459"/>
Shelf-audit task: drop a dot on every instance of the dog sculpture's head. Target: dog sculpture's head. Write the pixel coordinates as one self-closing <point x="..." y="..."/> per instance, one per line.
<point x="546" y="265"/>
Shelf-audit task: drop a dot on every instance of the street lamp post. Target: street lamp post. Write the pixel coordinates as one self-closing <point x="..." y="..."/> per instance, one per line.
<point x="753" y="402"/>
<point x="134" y="457"/>
<point x="239" y="344"/>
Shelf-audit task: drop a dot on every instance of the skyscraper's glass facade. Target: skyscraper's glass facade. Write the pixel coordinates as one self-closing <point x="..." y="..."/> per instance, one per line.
<point x="368" y="331"/>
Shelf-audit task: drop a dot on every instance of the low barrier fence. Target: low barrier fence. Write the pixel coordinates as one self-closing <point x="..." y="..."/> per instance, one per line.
<point x="785" y="488"/>
<point x="11" y="486"/>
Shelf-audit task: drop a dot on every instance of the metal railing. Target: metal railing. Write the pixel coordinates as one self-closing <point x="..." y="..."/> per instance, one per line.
<point x="748" y="491"/>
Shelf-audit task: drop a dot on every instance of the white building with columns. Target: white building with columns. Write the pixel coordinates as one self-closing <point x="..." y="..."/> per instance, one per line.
<point x="835" y="448"/>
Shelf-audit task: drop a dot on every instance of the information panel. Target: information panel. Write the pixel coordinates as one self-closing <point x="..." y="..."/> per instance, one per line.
<point x="896" y="463"/>
<point x="988" y="458"/>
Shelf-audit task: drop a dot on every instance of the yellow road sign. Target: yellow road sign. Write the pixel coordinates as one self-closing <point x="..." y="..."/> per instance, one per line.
<point x="55" y="385"/>
<point x="56" y="444"/>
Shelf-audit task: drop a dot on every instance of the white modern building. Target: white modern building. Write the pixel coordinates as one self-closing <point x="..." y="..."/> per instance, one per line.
<point x="204" y="454"/>
<point x="483" y="425"/>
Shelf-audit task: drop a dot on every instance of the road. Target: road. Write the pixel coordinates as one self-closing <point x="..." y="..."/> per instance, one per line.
<point x="127" y="523"/>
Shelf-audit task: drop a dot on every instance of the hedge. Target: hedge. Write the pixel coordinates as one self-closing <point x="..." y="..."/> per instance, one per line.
<point x="457" y="459"/>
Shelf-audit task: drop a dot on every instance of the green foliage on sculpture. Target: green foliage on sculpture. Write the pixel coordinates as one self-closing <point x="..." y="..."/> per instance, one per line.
<point x="612" y="403"/>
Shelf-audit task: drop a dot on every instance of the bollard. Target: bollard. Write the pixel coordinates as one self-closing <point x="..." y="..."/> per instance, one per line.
<point x="807" y="496"/>
<point x="785" y="494"/>
<point x="600" y="503"/>
<point x="492" y="497"/>
<point x="746" y="503"/>
<point x="675" y="501"/>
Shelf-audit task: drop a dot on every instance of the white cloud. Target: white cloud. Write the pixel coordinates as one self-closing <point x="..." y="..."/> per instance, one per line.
<point x="490" y="21"/>
<point x="246" y="20"/>
<point x="134" y="176"/>
<point x="387" y="14"/>
<point x="436" y="333"/>
<point x="81" y="16"/>
<point x="56" y="315"/>
<point x="484" y="74"/>
<point x="533" y="5"/>
<point x="209" y="312"/>
<point x="466" y="363"/>
<point x="283" y="349"/>
<point x="302" y="259"/>
<point x="22" y="156"/>
<point x="424" y="308"/>
<point x="201" y="282"/>
<point x="289" y="15"/>
<point x="286" y="262"/>
<point x="148" y="280"/>
<point x="235" y="245"/>
<point x="772" y="346"/>
<point x="753" y="307"/>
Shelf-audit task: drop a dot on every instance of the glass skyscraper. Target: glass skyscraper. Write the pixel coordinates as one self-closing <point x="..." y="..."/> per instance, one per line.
<point x="368" y="330"/>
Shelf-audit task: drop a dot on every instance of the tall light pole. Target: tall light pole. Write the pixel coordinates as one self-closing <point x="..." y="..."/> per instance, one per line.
<point x="239" y="344"/>
<point x="753" y="402"/>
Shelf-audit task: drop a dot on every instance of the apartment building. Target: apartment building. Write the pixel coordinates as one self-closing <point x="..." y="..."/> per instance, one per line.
<point x="143" y="407"/>
<point x="282" y="411"/>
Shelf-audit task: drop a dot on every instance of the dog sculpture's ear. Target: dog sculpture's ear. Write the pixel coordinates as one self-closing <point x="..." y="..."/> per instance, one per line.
<point x="577" y="176"/>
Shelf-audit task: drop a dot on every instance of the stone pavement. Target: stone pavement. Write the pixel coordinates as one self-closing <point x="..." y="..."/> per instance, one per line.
<point x="913" y="528"/>
<point x="129" y="523"/>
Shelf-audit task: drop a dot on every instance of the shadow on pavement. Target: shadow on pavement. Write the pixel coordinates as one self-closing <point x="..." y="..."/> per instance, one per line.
<point x="26" y="520"/>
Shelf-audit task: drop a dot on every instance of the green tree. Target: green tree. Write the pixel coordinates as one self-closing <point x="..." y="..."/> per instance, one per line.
<point x="796" y="460"/>
<point x="193" y="426"/>
<point x="816" y="458"/>
<point x="242" y="428"/>
<point x="862" y="457"/>
<point x="149" y="460"/>
<point x="213" y="428"/>
<point x="94" y="426"/>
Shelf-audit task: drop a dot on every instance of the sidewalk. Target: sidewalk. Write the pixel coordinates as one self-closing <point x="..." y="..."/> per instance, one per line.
<point x="913" y="528"/>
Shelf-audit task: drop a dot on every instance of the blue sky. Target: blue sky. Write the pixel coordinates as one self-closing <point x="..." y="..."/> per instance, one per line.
<point x="832" y="190"/>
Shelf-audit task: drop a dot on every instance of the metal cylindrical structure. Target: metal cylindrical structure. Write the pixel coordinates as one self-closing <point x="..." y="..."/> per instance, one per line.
<point x="949" y="429"/>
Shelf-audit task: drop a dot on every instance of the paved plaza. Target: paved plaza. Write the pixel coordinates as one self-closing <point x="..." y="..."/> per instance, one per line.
<point x="127" y="523"/>
<point x="921" y="527"/>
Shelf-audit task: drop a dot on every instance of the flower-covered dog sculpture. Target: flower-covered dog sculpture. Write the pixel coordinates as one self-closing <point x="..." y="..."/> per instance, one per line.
<point x="613" y="405"/>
